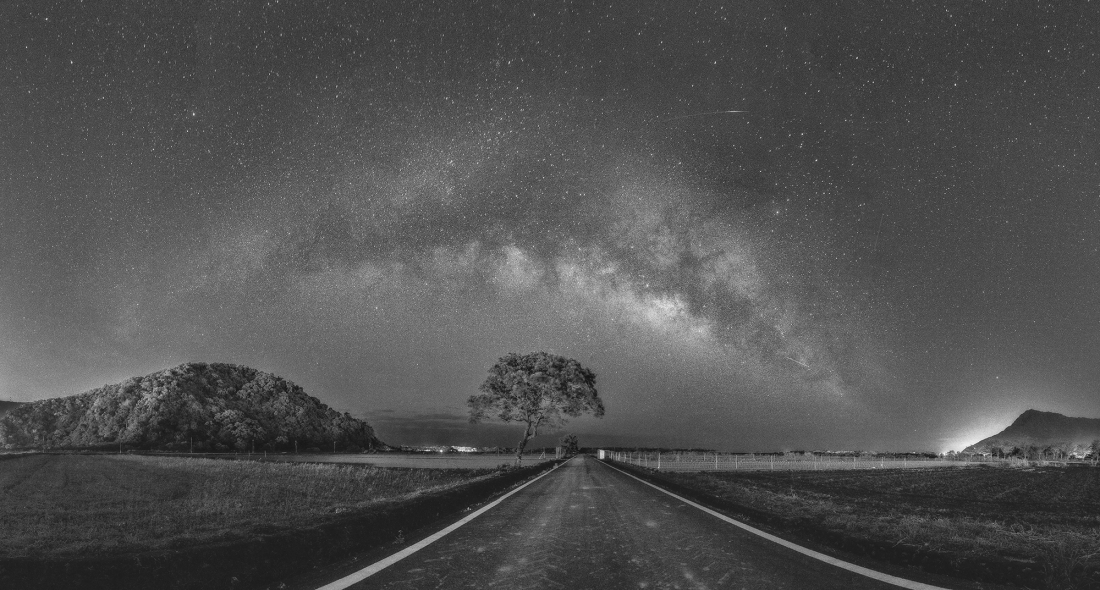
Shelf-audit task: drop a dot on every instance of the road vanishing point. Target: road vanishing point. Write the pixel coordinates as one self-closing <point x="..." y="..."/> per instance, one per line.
<point x="588" y="525"/>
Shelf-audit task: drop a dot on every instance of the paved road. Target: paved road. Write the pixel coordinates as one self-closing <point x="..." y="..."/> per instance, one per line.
<point x="586" y="525"/>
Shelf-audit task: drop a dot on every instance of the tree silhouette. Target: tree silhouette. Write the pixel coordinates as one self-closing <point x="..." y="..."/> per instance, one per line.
<point x="538" y="389"/>
<point x="569" y="445"/>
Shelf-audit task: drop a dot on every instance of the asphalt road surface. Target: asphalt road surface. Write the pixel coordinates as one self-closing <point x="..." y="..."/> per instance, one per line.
<point x="586" y="525"/>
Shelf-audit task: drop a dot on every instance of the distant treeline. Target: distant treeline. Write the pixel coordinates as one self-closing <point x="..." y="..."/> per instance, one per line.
<point x="208" y="407"/>
<point x="1033" y="451"/>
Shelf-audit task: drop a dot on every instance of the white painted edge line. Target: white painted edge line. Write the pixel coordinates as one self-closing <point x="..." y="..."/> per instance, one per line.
<point x="902" y="582"/>
<point x="382" y="564"/>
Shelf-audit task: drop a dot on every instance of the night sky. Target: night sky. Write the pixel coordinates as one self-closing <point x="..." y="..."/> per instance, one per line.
<point x="896" y="245"/>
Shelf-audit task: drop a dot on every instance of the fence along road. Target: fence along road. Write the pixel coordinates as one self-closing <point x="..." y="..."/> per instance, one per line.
<point x="586" y="525"/>
<point x="765" y="462"/>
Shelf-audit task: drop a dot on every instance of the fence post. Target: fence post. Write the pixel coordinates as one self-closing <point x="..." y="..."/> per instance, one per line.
<point x="716" y="460"/>
<point x="658" y="460"/>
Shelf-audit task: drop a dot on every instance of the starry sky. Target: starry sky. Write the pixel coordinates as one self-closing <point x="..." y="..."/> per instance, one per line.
<point x="893" y="244"/>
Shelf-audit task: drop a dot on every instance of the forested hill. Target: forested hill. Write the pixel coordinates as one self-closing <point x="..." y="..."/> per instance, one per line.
<point x="217" y="406"/>
<point x="1042" y="429"/>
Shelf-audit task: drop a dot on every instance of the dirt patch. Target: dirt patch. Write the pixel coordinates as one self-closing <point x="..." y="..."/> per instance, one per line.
<point x="265" y="558"/>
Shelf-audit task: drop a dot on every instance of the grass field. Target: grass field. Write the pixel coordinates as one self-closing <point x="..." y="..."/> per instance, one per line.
<point x="418" y="460"/>
<point x="393" y="460"/>
<point x="62" y="505"/>
<point x="1046" y="515"/>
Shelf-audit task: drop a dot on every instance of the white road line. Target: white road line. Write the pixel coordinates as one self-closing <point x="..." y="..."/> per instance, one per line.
<point x="378" y="566"/>
<point x="902" y="582"/>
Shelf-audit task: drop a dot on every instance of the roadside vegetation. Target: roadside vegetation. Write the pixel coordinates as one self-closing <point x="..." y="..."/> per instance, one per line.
<point x="82" y="505"/>
<point x="1045" y="518"/>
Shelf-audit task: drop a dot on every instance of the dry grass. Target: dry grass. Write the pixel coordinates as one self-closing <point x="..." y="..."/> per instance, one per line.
<point x="418" y="460"/>
<point x="1050" y="516"/>
<point x="62" y="505"/>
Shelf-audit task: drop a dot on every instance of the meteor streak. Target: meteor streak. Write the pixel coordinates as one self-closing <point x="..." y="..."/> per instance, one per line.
<point x="799" y="363"/>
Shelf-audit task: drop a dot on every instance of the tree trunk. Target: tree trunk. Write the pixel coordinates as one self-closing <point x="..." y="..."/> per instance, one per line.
<point x="519" y="450"/>
<point x="527" y="434"/>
